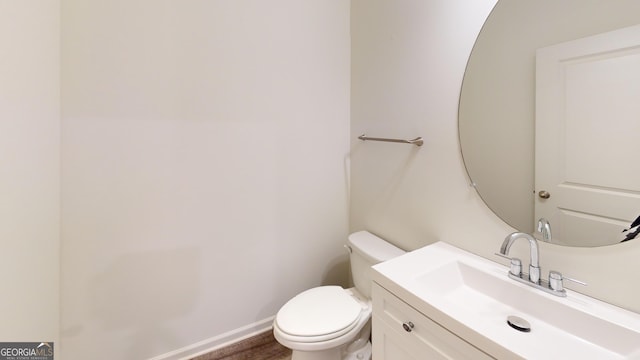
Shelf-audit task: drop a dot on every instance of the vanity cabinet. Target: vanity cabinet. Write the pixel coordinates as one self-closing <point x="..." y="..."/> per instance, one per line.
<point x="400" y="332"/>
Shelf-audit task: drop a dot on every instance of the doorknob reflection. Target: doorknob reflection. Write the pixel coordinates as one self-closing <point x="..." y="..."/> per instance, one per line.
<point x="544" y="194"/>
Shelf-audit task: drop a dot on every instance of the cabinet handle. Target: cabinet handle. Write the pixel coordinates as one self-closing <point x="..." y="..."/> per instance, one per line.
<point x="408" y="326"/>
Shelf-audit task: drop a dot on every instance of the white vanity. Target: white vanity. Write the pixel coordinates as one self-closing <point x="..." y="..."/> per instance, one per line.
<point x="441" y="302"/>
<point x="401" y="332"/>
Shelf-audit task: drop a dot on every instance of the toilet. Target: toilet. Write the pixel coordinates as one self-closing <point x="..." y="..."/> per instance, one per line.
<point x="330" y="322"/>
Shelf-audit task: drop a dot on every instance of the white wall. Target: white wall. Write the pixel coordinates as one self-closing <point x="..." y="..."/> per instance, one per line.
<point x="204" y="180"/>
<point x="29" y="169"/>
<point x="408" y="61"/>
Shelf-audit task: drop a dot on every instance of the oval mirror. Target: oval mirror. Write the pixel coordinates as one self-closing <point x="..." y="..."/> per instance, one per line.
<point x="587" y="100"/>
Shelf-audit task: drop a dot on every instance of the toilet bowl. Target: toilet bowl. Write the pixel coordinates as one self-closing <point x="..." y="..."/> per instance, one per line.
<point x="323" y="321"/>
<point x="330" y="322"/>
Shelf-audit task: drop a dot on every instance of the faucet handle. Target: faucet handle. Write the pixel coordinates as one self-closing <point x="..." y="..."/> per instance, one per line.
<point x="515" y="266"/>
<point x="555" y="281"/>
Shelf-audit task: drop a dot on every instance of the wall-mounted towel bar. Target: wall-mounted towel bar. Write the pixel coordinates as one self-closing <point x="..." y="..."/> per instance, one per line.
<point x="417" y="141"/>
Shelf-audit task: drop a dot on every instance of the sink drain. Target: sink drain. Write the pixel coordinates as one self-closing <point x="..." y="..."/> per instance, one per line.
<point x="518" y="323"/>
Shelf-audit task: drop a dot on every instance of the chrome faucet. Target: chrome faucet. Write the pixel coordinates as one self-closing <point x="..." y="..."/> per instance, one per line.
<point x="553" y="286"/>
<point x="544" y="227"/>
<point x="534" y="265"/>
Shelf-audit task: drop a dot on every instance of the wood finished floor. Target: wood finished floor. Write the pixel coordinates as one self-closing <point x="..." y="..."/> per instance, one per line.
<point x="260" y="347"/>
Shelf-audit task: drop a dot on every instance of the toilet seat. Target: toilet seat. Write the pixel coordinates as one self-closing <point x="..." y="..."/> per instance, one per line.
<point x="319" y="314"/>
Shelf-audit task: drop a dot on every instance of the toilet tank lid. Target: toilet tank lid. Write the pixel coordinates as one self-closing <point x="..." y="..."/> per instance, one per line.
<point x="373" y="247"/>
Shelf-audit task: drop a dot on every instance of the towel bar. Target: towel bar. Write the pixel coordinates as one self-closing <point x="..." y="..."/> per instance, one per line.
<point x="417" y="141"/>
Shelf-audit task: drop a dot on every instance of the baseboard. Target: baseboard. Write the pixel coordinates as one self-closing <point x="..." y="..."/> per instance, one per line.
<point x="218" y="342"/>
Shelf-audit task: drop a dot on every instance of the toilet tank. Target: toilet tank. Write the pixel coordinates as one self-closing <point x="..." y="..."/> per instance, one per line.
<point x="367" y="250"/>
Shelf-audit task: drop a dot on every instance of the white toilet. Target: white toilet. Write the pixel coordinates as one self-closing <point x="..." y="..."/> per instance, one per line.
<point x="332" y="323"/>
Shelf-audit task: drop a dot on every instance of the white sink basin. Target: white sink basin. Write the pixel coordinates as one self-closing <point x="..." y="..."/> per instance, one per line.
<point x="473" y="297"/>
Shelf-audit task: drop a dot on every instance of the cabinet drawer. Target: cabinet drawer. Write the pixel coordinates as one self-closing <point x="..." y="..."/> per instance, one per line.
<point x="426" y="336"/>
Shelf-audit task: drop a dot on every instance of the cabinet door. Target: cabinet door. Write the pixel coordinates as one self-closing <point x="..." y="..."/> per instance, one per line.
<point x="390" y="344"/>
<point x="424" y="339"/>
